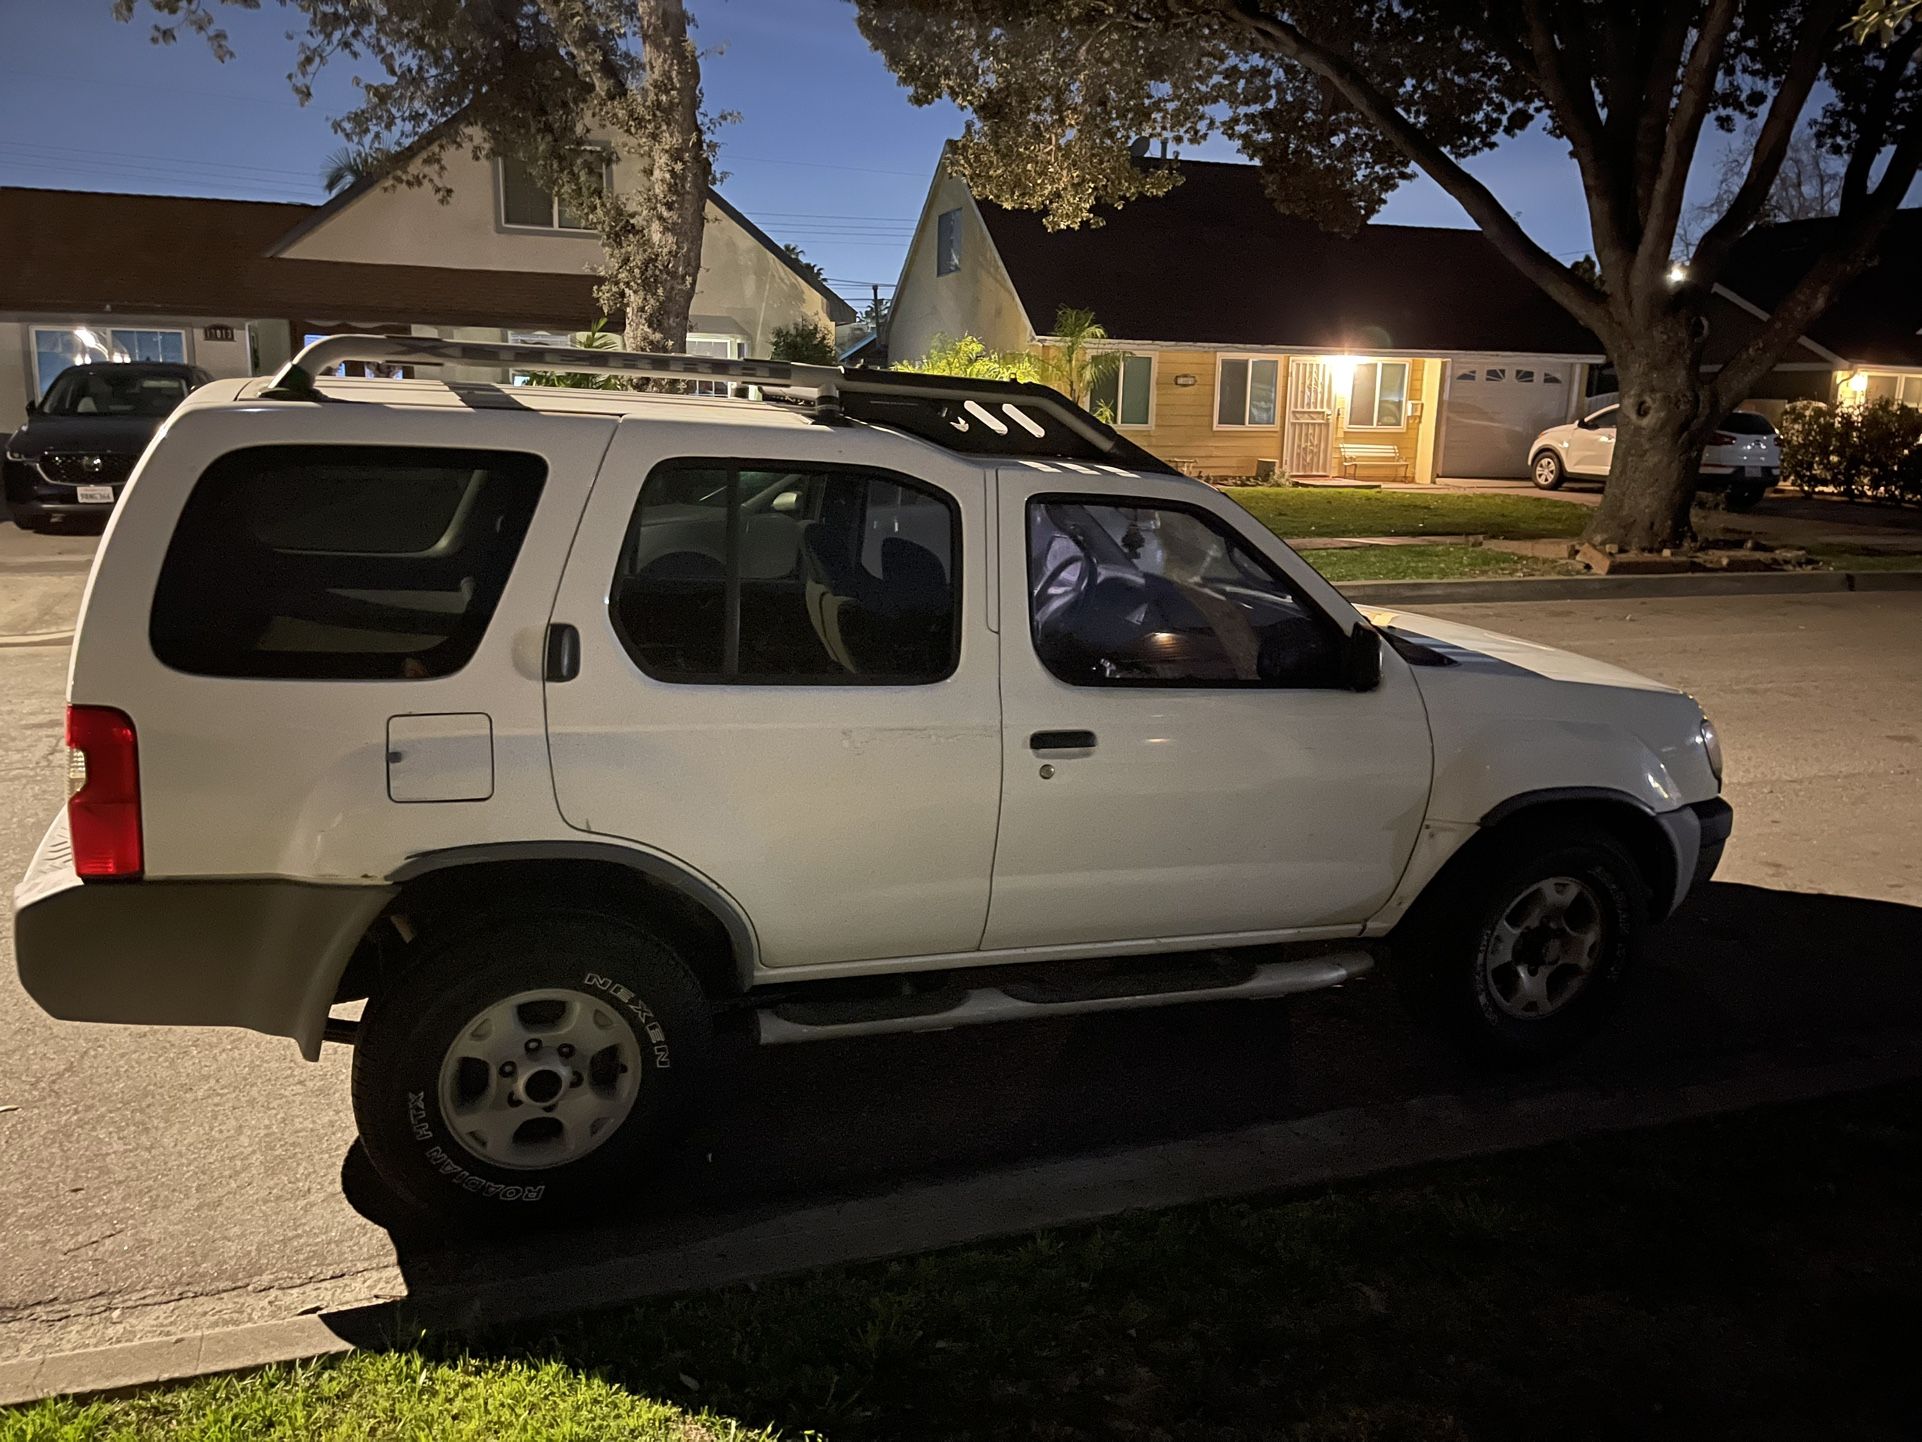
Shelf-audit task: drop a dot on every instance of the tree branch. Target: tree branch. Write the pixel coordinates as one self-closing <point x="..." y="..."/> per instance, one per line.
<point x="1874" y="125"/>
<point x="1692" y="105"/>
<point x="1655" y="79"/>
<point x="1847" y="256"/>
<point x="1772" y="141"/>
<point x="1576" y="296"/>
<point x="1570" y="92"/>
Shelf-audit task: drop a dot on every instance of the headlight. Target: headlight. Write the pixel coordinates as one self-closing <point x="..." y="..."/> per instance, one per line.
<point x="1712" y="745"/>
<point x="14" y="455"/>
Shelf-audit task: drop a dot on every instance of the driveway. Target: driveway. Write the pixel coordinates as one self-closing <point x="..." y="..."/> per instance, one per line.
<point x="160" y="1182"/>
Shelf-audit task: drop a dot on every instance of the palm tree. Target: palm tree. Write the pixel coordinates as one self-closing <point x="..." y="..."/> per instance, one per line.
<point x="350" y="165"/>
<point x="1075" y="366"/>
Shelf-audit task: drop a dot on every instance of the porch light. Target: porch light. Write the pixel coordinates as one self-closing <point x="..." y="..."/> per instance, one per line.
<point x="1677" y="273"/>
<point x="1858" y="382"/>
<point x="1341" y="370"/>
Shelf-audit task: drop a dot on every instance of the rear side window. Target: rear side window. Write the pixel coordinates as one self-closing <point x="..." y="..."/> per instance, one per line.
<point x="342" y="562"/>
<point x="765" y="573"/>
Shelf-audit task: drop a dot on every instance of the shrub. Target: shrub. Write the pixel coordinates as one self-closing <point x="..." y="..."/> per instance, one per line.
<point x="807" y="342"/>
<point x="969" y="356"/>
<point x="1866" y="452"/>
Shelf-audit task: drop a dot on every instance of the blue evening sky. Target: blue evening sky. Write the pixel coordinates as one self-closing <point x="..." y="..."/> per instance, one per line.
<point x="827" y="153"/>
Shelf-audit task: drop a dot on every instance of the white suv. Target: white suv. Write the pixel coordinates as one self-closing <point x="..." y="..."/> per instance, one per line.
<point x="568" y="727"/>
<point x="1742" y="459"/>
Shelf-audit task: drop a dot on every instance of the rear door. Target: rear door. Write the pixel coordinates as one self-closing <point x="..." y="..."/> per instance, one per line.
<point x="787" y="681"/>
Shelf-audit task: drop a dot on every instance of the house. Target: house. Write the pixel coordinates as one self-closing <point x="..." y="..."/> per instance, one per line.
<point x="1253" y="342"/>
<point x="1868" y="344"/>
<point x="236" y="286"/>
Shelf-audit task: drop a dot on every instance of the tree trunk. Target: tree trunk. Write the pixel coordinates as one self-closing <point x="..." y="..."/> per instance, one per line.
<point x="654" y="244"/>
<point x="1660" y="428"/>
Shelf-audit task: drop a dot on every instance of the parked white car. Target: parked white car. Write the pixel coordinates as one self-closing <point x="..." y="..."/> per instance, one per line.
<point x="1743" y="457"/>
<point x="567" y="728"/>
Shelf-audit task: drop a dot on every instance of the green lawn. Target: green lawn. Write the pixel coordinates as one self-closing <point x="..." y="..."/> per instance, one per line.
<point x="1291" y="511"/>
<point x="1429" y="563"/>
<point x="1749" y="1277"/>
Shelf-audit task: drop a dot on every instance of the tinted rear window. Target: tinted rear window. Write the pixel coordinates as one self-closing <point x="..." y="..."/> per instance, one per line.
<point x="1747" y="423"/>
<point x="342" y="562"/>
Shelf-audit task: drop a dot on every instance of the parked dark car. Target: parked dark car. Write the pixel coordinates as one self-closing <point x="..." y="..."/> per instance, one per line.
<point x="80" y="442"/>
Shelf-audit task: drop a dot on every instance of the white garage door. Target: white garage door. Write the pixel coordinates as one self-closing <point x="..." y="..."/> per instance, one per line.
<point x="1496" y="407"/>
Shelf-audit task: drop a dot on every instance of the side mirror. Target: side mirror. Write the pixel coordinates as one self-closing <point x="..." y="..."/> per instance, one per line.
<point x="1361" y="658"/>
<point x="33" y="408"/>
<point x="1584" y="424"/>
<point x="788" y="503"/>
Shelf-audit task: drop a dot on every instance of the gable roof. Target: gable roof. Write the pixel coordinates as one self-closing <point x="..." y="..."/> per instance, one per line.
<point x="1214" y="263"/>
<point x="839" y="311"/>
<point x="199" y="256"/>
<point x="1875" y="320"/>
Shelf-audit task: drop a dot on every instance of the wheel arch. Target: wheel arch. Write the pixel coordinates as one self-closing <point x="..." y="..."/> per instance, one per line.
<point x="1635" y="825"/>
<point x="711" y="929"/>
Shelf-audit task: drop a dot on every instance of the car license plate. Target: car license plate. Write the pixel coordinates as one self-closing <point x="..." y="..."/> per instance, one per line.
<point x="96" y="495"/>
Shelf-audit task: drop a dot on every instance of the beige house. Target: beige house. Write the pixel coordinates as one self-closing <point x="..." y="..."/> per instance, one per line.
<point x="1254" y="344"/>
<point x="236" y="286"/>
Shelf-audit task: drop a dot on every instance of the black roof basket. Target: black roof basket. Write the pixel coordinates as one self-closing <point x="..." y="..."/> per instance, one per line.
<point x="974" y="417"/>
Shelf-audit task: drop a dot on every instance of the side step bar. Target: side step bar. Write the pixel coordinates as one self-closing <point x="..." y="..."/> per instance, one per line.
<point x="983" y="1005"/>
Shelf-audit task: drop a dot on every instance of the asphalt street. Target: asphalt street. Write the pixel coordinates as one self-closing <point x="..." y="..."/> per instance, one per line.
<point x="161" y="1181"/>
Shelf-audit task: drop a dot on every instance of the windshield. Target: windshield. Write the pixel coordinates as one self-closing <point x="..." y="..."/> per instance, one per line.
<point x="84" y="391"/>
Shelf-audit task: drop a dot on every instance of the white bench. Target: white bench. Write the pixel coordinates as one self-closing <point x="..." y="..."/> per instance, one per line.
<point x="1355" y="456"/>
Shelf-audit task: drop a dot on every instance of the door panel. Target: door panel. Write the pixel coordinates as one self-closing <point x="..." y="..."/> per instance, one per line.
<point x="1193" y="810"/>
<point x="1308" y="448"/>
<point x="849" y="819"/>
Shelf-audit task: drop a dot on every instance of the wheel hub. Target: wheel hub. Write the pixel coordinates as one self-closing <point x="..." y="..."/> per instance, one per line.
<point x="540" y="1078"/>
<point x="1544" y="947"/>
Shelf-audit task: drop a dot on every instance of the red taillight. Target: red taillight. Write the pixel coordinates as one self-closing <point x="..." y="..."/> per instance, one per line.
<point x="103" y="792"/>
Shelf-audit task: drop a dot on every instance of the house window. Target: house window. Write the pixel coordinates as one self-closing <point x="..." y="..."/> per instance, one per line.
<point x="726" y="347"/>
<point x="1245" y="388"/>
<point x="1378" y="396"/>
<point x="528" y="205"/>
<point x="536" y="337"/>
<point x="1886" y="387"/>
<point x="947" y="242"/>
<point x="56" y="348"/>
<point x="1124" y="395"/>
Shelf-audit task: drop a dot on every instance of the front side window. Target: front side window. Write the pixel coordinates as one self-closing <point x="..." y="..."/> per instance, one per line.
<point x="762" y="572"/>
<point x="1245" y="391"/>
<point x="947" y="242"/>
<point x="528" y="205"/>
<point x="1603" y="420"/>
<point x="1378" y="395"/>
<point x="342" y="562"/>
<point x="1125" y="594"/>
<point x="1122" y="393"/>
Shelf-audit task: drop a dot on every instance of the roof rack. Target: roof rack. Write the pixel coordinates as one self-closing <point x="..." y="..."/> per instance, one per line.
<point x="982" y="417"/>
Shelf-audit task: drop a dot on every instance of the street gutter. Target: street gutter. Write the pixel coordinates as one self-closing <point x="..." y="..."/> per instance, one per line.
<point x="1306" y="1153"/>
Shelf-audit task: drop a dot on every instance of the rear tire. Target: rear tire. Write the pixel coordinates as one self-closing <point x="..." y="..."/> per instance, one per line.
<point x="1528" y="960"/>
<point x="1745" y="497"/>
<point x="1546" y="472"/>
<point x="528" y="1064"/>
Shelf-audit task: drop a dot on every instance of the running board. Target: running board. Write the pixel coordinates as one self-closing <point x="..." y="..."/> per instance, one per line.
<point x="984" y="1005"/>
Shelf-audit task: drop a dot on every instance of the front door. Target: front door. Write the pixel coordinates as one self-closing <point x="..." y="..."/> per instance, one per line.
<point x="1180" y="759"/>
<point x="787" y="683"/>
<point x="1591" y="447"/>
<point x="1308" y="443"/>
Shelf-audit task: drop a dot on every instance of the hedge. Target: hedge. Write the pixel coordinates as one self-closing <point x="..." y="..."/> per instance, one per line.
<point x="1870" y="452"/>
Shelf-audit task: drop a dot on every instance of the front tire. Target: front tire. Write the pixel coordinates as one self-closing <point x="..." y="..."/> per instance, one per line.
<point x="527" y="1065"/>
<point x="1547" y="472"/>
<point x="1530" y="954"/>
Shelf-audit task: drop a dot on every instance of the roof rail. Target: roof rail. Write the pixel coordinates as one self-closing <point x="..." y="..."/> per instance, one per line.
<point x="957" y="413"/>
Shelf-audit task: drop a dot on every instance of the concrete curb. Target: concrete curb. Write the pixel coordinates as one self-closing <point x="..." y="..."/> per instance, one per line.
<point x="1308" y="1152"/>
<point x="1617" y="588"/>
<point x="38" y="638"/>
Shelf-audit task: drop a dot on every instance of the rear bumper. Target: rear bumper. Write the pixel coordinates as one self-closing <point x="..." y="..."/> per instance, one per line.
<point x="1698" y="833"/>
<point x="260" y="954"/>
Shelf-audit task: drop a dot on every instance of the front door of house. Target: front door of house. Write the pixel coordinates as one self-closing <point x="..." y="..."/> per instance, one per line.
<point x="1308" y="441"/>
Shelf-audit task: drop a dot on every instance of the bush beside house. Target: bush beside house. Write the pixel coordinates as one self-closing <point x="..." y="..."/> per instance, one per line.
<point x="1867" y="452"/>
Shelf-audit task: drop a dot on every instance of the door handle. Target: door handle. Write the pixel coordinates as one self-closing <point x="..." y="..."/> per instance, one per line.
<point x="562" y="661"/>
<point x="1061" y="741"/>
